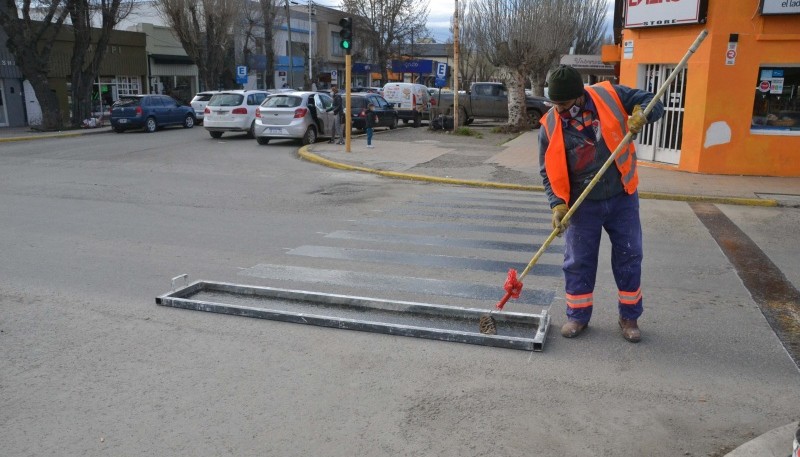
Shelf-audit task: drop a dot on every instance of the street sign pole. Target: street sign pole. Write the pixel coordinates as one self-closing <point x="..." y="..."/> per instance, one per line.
<point x="348" y="119"/>
<point x="455" y="68"/>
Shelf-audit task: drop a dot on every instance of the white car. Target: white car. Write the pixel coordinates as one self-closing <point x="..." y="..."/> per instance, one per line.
<point x="199" y="103"/>
<point x="232" y="111"/>
<point x="296" y="115"/>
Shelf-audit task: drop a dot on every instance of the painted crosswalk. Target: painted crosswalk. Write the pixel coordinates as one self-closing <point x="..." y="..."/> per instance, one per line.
<point x="452" y="244"/>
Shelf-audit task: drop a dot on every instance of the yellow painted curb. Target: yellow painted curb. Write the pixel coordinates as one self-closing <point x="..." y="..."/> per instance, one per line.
<point x="311" y="157"/>
<point x="40" y="137"/>
<point x="306" y="154"/>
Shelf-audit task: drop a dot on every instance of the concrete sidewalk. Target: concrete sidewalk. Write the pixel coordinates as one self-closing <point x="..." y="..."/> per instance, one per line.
<point x="514" y="165"/>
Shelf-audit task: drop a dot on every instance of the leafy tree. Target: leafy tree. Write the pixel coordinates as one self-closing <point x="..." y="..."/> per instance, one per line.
<point x="204" y="28"/>
<point x="385" y="25"/>
<point x="31" y="43"/>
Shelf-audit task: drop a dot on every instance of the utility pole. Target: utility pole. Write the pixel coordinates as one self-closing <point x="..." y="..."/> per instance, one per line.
<point x="289" y="51"/>
<point x="455" y="68"/>
<point x="310" y="41"/>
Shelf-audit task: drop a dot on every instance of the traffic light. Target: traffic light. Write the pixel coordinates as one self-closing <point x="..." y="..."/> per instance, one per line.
<point x="346" y="34"/>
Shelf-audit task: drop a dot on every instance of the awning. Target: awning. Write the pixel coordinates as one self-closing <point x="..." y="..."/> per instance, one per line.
<point x="172" y="59"/>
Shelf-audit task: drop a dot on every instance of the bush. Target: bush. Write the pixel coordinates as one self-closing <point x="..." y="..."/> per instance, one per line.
<point x="466" y="131"/>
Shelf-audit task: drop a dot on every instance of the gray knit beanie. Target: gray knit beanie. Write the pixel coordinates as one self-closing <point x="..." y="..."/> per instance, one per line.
<point x="564" y="83"/>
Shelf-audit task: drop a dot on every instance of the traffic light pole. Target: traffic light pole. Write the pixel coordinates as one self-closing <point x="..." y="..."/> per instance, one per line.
<point x="348" y="118"/>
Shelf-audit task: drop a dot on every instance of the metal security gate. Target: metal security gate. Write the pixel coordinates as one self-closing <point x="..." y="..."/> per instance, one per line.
<point x="661" y="141"/>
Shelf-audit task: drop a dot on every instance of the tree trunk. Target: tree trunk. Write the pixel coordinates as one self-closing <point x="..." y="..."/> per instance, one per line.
<point x="518" y="120"/>
<point x="48" y="101"/>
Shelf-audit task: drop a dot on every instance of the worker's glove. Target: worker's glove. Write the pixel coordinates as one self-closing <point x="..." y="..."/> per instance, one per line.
<point x="637" y="120"/>
<point x="559" y="211"/>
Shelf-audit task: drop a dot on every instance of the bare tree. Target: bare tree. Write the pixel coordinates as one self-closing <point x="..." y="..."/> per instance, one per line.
<point x="523" y="38"/>
<point x="90" y="47"/>
<point x="473" y="66"/>
<point x="385" y="25"/>
<point x="204" y="28"/>
<point x="269" y="12"/>
<point x="591" y="24"/>
<point x="31" y="43"/>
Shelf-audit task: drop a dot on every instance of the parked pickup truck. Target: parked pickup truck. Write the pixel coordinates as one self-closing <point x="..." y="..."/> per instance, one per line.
<point x="488" y="100"/>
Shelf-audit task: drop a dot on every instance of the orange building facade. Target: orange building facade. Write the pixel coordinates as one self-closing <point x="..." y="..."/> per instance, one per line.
<point x="736" y="107"/>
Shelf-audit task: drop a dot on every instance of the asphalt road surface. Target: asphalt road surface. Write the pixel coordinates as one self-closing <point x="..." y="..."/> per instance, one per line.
<point x="94" y="228"/>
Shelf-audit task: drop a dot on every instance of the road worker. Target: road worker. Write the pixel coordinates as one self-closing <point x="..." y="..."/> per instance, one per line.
<point x="578" y="134"/>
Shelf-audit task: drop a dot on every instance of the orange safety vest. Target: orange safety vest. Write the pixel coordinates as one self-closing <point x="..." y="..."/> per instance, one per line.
<point x="613" y="127"/>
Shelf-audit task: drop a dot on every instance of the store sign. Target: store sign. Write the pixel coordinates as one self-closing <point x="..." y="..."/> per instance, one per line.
<point x="413" y="66"/>
<point x="586" y="62"/>
<point x="780" y="6"/>
<point x="656" y="13"/>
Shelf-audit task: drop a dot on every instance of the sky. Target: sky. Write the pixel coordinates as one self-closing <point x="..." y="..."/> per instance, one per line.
<point x="440" y="14"/>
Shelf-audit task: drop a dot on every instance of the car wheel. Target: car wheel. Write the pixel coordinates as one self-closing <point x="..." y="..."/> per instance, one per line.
<point x="188" y="122"/>
<point x="311" y="136"/>
<point x="119" y="129"/>
<point x="150" y="125"/>
<point x="215" y="134"/>
<point x="251" y="132"/>
<point x="535" y="119"/>
<point x="393" y="125"/>
<point x="262" y="140"/>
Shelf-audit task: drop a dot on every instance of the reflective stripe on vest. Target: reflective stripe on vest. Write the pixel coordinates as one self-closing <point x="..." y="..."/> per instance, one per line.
<point x="612" y="111"/>
<point x="613" y="127"/>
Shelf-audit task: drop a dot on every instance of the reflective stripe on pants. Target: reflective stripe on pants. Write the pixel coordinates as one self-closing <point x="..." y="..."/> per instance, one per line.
<point x="619" y="216"/>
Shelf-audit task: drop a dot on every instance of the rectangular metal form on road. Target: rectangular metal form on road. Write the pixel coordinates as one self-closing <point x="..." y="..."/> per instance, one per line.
<point x="421" y="320"/>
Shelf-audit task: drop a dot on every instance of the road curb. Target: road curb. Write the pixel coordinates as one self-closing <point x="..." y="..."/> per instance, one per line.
<point x="46" y="135"/>
<point x="306" y="154"/>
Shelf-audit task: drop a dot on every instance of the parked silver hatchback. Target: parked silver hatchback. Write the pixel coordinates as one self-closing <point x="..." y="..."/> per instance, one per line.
<point x="295" y="115"/>
<point x="232" y="111"/>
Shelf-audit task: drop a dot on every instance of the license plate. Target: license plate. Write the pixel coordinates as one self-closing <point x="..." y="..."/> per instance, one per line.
<point x="274" y="130"/>
<point x="123" y="121"/>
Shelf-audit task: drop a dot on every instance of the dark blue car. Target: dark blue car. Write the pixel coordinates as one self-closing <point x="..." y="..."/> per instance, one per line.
<point x="150" y="112"/>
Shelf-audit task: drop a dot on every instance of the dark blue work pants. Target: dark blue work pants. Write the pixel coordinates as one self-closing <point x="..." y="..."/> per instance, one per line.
<point x="619" y="216"/>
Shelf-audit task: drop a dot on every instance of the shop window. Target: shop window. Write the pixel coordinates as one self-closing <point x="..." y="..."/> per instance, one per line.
<point x="776" y="109"/>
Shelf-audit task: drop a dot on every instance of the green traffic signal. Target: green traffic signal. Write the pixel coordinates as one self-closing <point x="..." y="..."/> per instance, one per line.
<point x="346" y="34"/>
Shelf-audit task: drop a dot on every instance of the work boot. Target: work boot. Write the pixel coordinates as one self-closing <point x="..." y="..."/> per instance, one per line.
<point x="630" y="330"/>
<point x="572" y="329"/>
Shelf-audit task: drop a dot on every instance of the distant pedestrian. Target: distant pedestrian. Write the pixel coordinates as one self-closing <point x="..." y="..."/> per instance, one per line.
<point x="370" y="121"/>
<point x="578" y="135"/>
<point x="338" y="119"/>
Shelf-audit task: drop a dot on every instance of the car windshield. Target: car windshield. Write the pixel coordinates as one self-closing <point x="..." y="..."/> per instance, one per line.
<point x="127" y="102"/>
<point x="226" y="100"/>
<point x="282" y="101"/>
<point x="203" y="97"/>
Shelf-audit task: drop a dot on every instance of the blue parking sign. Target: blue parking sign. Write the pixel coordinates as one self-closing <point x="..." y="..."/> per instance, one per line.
<point x="441" y="70"/>
<point x="241" y="74"/>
